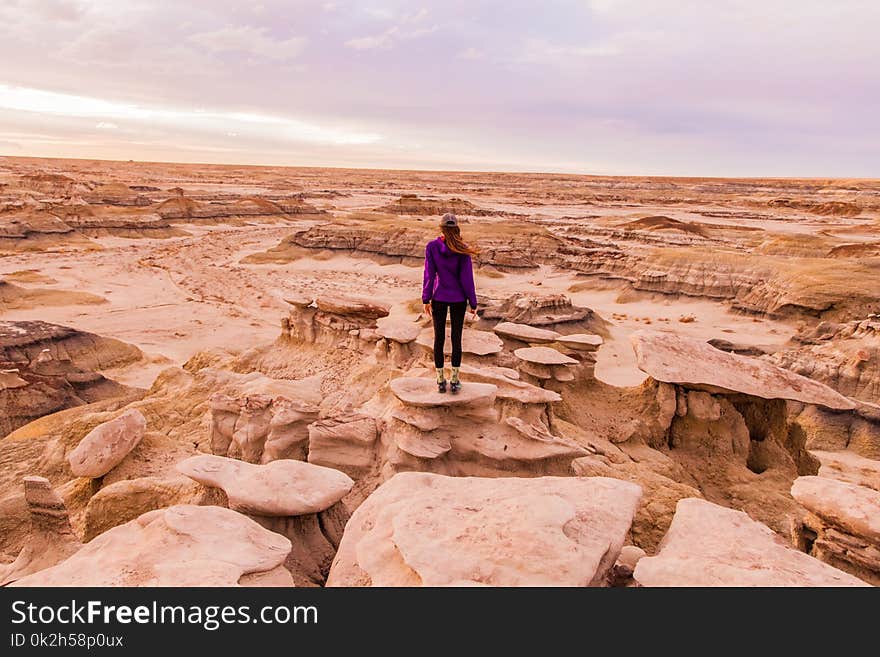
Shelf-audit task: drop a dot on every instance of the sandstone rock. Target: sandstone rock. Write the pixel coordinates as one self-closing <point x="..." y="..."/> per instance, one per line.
<point x="125" y="500"/>
<point x="350" y="305"/>
<point x="525" y="333"/>
<point x="107" y="445"/>
<point x="279" y="488"/>
<point x="51" y="538"/>
<point x="398" y="330"/>
<point x="853" y="509"/>
<point x="849" y="467"/>
<point x="543" y="356"/>
<point x="581" y="341"/>
<point x="345" y="442"/>
<point x="711" y="545"/>
<point x="428" y="530"/>
<point x="423" y="393"/>
<point x="695" y="364"/>
<point x="509" y="385"/>
<point x="478" y="343"/>
<point x="182" y="545"/>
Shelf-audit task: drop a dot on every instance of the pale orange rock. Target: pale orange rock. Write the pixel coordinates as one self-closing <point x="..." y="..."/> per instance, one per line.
<point x="103" y="448"/>
<point x="711" y="545"/>
<point x="422" y="529"/>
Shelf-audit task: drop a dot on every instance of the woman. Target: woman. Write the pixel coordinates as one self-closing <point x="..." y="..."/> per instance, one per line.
<point x="448" y="285"/>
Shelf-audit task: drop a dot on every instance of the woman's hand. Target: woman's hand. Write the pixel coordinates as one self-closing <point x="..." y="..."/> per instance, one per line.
<point x="428" y="309"/>
<point x="474" y="313"/>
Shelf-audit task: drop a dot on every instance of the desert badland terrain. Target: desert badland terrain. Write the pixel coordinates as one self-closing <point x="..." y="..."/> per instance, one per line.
<point x="221" y="375"/>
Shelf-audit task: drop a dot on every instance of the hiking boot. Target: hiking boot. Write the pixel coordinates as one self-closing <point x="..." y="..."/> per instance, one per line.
<point x="454" y="387"/>
<point x="441" y="386"/>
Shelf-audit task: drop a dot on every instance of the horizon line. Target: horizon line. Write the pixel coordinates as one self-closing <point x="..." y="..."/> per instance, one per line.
<point x="439" y="170"/>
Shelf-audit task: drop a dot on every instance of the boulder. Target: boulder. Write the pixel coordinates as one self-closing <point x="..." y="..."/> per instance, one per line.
<point x="420" y="529"/>
<point x="711" y="545"/>
<point x="278" y="488"/>
<point x="103" y="448"/>
<point x="695" y="364"/>
<point x="181" y="545"/>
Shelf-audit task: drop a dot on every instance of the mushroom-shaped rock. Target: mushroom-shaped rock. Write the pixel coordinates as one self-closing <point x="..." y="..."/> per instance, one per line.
<point x="525" y="333"/>
<point x="416" y="391"/>
<point x="104" y="447"/>
<point x="398" y="330"/>
<point x="299" y="300"/>
<point x="854" y="509"/>
<point x="543" y="356"/>
<point x="181" y="545"/>
<point x="278" y="488"/>
<point x="581" y="341"/>
<point x="711" y="545"/>
<point x="546" y="363"/>
<point x="695" y="364"/>
<point x="478" y="343"/>
<point x="349" y="305"/>
<point x="509" y="385"/>
<point x="432" y="530"/>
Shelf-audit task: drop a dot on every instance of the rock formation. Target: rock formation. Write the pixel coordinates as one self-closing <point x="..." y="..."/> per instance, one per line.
<point x="299" y="500"/>
<point x="46" y="368"/>
<point x="51" y="537"/>
<point x="107" y="444"/>
<point x="177" y="546"/>
<point x="427" y="530"/>
<point x="710" y="545"/>
<point x="842" y="526"/>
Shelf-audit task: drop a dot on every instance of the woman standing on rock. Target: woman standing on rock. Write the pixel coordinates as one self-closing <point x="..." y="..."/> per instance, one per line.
<point x="448" y="284"/>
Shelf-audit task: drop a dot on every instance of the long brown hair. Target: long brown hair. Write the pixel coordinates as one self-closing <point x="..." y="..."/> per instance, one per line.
<point x="452" y="237"/>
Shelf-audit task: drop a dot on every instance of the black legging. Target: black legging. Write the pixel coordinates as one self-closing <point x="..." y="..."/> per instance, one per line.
<point x="456" y="313"/>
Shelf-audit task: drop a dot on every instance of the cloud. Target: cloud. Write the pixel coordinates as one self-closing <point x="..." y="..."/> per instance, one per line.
<point x="250" y="40"/>
<point x="50" y="104"/>
<point x="405" y="29"/>
<point x="471" y="53"/>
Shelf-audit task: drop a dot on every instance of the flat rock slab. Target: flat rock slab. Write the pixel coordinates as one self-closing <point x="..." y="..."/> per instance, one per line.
<point x="398" y="330"/>
<point x="586" y="341"/>
<point x="349" y="305"/>
<point x="711" y="545"/>
<point x="509" y="384"/>
<point x="181" y="545"/>
<point x="525" y="333"/>
<point x="478" y="343"/>
<point x="421" y="529"/>
<point x="279" y="488"/>
<point x="105" y="446"/>
<point x="692" y="363"/>
<point x="543" y="356"/>
<point x="849" y="467"/>
<point x="854" y="509"/>
<point x="422" y="392"/>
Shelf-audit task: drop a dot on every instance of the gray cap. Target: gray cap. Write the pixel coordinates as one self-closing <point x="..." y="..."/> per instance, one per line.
<point x="449" y="220"/>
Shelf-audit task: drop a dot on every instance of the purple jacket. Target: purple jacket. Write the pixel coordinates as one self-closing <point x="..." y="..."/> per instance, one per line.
<point x="449" y="276"/>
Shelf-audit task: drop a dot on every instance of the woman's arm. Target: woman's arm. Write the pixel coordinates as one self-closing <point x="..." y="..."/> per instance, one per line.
<point x="467" y="280"/>
<point x="430" y="272"/>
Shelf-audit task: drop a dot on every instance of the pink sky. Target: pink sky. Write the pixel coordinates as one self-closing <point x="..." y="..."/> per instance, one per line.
<point x="730" y="87"/>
